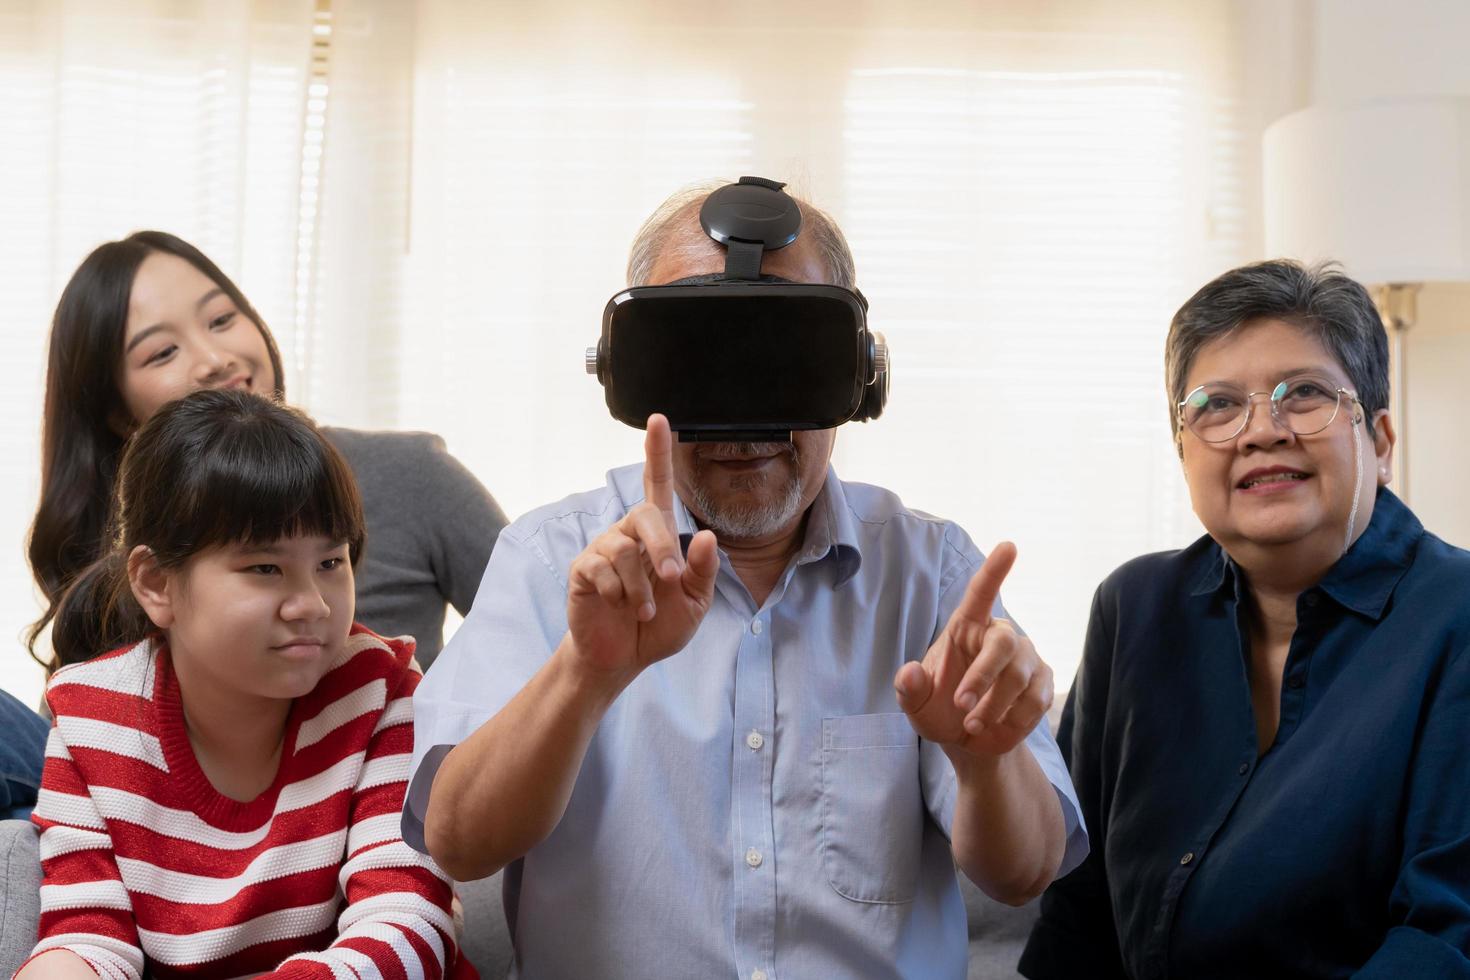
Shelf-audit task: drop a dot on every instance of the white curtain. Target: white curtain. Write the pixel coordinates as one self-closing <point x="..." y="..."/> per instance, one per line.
<point x="1029" y="189"/>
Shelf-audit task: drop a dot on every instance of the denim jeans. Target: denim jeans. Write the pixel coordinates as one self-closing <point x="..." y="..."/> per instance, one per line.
<point x="22" y="751"/>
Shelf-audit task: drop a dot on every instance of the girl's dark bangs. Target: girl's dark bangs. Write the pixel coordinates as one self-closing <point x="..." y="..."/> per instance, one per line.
<point x="274" y="483"/>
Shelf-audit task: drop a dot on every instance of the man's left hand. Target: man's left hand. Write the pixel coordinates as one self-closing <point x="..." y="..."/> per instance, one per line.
<point x="980" y="688"/>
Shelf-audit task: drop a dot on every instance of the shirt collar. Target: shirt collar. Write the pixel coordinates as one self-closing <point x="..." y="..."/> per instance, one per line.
<point x="1364" y="578"/>
<point x="1212" y="571"/>
<point x="831" y="531"/>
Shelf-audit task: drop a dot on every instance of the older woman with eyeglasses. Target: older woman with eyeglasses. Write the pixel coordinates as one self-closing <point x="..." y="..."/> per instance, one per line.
<point x="1270" y="729"/>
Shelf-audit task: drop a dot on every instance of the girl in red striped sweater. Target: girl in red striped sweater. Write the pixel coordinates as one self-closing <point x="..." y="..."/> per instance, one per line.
<point x="221" y="793"/>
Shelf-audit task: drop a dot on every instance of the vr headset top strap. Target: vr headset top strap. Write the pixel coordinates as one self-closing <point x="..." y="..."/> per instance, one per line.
<point x="719" y="278"/>
<point x="749" y="217"/>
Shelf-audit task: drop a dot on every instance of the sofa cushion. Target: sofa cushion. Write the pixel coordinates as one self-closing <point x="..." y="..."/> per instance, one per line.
<point x="997" y="933"/>
<point x="20" y="862"/>
<point x="486" y="939"/>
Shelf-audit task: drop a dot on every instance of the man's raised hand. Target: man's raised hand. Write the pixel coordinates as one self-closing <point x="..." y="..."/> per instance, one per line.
<point x="632" y="597"/>
<point x="981" y="687"/>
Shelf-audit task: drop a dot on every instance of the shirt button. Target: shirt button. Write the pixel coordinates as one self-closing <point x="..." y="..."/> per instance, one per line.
<point x="757" y="975"/>
<point x="755" y="626"/>
<point x="1244" y="768"/>
<point x="1188" y="856"/>
<point x="1295" y="682"/>
<point x="755" y="740"/>
<point x="753" y="858"/>
<point x="1311" y="599"/>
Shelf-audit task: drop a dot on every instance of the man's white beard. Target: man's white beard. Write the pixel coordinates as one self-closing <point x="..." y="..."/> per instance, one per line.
<point x="755" y="520"/>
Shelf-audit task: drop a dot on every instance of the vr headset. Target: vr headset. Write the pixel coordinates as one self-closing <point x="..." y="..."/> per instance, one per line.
<point x="737" y="356"/>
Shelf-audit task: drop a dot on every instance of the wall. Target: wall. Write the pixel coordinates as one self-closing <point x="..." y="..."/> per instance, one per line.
<point x="1438" y="363"/>
<point x="1363" y="50"/>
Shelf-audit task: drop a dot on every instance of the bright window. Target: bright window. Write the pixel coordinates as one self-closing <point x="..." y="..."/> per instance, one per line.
<point x="1030" y="190"/>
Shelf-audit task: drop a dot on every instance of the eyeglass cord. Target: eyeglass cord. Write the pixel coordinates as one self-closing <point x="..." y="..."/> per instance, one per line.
<point x="1357" y="484"/>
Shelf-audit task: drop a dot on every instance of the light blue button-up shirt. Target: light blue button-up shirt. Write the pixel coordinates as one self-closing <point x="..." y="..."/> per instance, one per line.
<point x="756" y="804"/>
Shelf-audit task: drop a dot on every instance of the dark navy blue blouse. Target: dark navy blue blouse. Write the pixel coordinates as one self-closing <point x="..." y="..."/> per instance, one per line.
<point x="1344" y="850"/>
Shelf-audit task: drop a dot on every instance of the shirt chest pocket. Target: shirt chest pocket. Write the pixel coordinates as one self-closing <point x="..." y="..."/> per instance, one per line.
<point x="872" y="807"/>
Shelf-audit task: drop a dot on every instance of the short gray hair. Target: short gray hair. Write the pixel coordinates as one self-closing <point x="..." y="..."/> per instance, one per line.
<point x="657" y="235"/>
<point x="1319" y="298"/>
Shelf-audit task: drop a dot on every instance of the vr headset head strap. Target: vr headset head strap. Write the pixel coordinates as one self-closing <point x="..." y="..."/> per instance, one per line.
<point x="749" y="217"/>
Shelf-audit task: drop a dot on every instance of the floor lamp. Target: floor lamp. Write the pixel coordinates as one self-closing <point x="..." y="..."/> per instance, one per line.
<point x="1384" y="188"/>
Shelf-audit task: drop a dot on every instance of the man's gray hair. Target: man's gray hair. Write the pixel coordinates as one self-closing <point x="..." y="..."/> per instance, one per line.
<point x="1319" y="298"/>
<point x="659" y="235"/>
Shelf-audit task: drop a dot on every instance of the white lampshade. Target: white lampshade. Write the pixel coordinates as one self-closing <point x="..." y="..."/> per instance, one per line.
<point x="1383" y="187"/>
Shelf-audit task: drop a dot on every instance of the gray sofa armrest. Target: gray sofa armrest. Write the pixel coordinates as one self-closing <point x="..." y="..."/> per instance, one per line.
<point x="486" y="939"/>
<point x="997" y="933"/>
<point x="20" y="908"/>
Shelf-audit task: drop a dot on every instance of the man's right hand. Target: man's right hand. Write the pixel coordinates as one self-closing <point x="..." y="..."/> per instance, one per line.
<point x="632" y="597"/>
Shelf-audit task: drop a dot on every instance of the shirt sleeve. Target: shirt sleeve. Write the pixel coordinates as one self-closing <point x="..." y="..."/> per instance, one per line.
<point x="519" y="617"/>
<point x="1075" y="935"/>
<point x="398" y="920"/>
<point x="466" y="523"/>
<point x="1429" y="908"/>
<point x="84" y="907"/>
<point x="940" y="784"/>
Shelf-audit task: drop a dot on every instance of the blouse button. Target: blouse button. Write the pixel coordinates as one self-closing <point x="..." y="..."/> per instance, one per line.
<point x="1244" y="768"/>
<point x="1295" y="682"/>
<point x="1188" y="856"/>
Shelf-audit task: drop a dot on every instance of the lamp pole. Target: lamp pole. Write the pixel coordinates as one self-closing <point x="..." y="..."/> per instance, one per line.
<point x="1397" y="303"/>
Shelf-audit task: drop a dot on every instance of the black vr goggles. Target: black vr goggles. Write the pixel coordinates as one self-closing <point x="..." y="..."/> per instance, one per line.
<point x="737" y="356"/>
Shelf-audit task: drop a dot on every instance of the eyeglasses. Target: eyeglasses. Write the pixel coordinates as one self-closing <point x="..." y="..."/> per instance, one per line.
<point x="1220" y="411"/>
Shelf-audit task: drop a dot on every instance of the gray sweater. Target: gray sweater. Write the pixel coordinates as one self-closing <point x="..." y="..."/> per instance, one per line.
<point x="430" y="528"/>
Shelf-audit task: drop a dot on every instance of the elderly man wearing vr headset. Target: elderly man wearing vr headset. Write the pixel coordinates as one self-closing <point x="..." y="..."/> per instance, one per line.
<point x="728" y="715"/>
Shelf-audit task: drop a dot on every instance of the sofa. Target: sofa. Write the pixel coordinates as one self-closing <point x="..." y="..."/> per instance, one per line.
<point x="997" y="932"/>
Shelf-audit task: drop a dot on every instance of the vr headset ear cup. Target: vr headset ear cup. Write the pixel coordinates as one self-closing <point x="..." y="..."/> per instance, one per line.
<point x="875" y="394"/>
<point x="875" y="397"/>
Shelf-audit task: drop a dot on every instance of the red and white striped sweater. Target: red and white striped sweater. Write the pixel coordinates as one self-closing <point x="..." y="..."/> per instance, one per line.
<point x="147" y="866"/>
